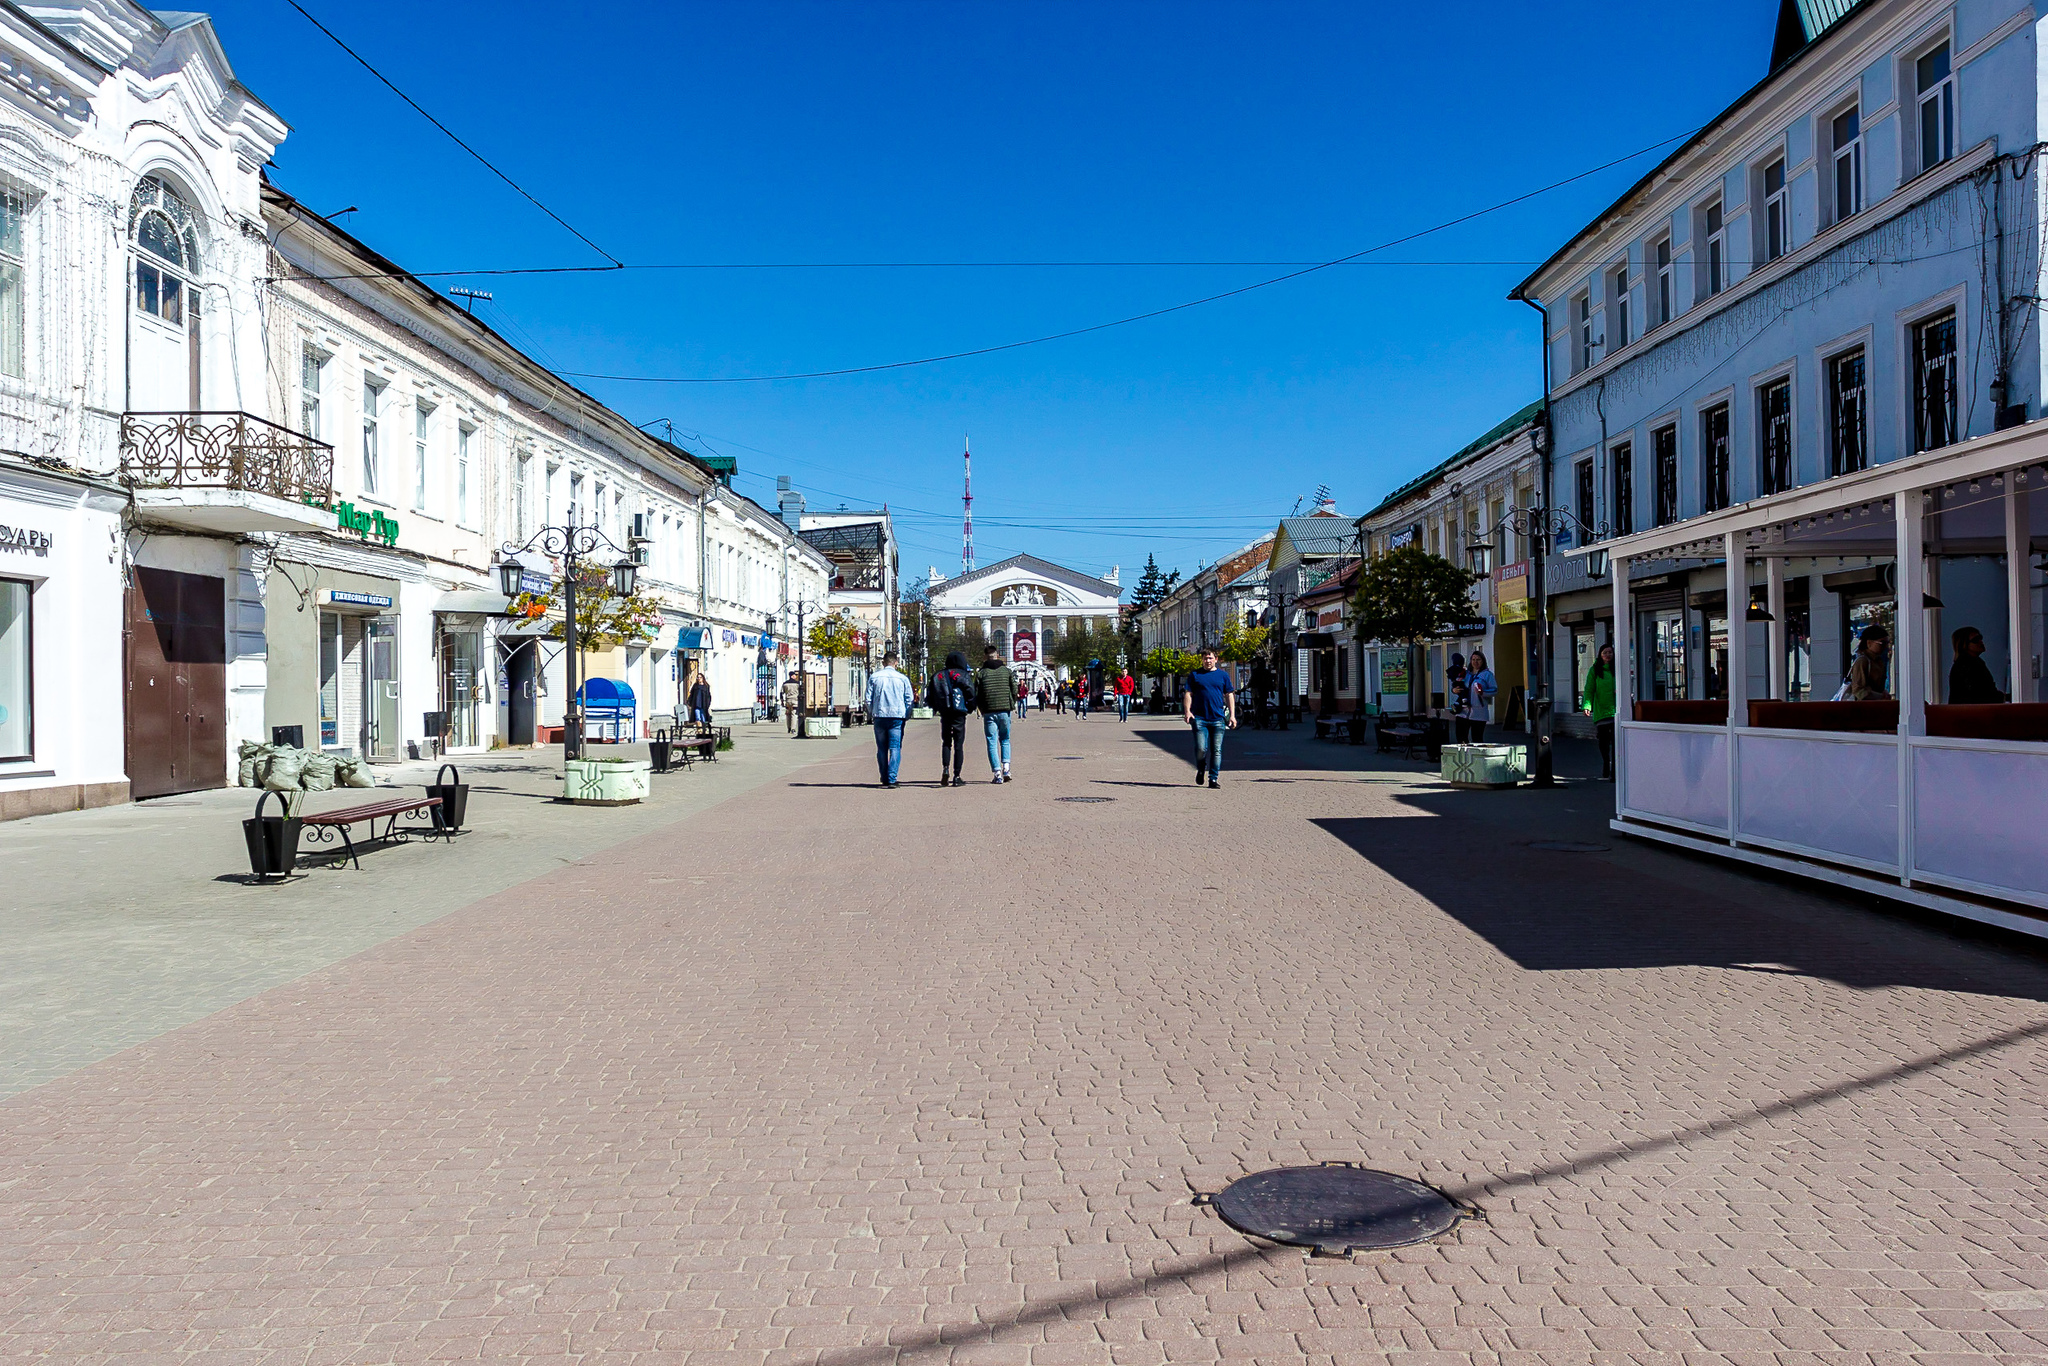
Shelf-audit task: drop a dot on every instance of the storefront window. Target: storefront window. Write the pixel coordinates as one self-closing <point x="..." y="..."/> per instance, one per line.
<point x="1582" y="664"/>
<point x="16" y="688"/>
<point x="460" y="652"/>
<point x="1717" y="657"/>
<point x="1798" y="654"/>
<point x="1860" y="613"/>
<point x="330" y="679"/>
<point x="1666" y="633"/>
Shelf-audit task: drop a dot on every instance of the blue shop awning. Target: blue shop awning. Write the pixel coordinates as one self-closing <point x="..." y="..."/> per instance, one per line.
<point x="606" y="692"/>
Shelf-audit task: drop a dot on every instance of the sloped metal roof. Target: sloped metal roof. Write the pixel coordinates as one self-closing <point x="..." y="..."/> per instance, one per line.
<point x="1523" y="418"/>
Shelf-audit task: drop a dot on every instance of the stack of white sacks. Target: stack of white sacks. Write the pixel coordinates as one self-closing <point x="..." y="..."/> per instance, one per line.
<point x="282" y="768"/>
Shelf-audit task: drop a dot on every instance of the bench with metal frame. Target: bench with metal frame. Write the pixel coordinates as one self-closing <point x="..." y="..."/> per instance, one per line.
<point x="325" y="826"/>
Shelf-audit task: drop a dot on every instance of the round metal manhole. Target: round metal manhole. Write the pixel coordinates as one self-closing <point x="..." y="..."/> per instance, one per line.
<point x="1336" y="1209"/>
<point x="1084" y="799"/>
<point x="1568" y="846"/>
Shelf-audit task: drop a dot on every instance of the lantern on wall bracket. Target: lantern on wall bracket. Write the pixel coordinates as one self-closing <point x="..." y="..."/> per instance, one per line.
<point x="1596" y="563"/>
<point x="624" y="574"/>
<point x="1482" y="557"/>
<point x="511" y="575"/>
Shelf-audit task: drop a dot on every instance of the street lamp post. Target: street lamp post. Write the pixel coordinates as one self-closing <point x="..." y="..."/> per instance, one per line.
<point x="799" y="606"/>
<point x="572" y="544"/>
<point x="1541" y="525"/>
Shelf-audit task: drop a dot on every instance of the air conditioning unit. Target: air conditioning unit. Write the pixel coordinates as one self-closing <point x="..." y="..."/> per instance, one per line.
<point x="643" y="526"/>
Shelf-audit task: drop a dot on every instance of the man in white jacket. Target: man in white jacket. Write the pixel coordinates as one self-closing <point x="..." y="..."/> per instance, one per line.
<point x="890" y="698"/>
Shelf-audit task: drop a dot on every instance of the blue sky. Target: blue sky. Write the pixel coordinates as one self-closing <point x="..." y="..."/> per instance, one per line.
<point x="920" y="133"/>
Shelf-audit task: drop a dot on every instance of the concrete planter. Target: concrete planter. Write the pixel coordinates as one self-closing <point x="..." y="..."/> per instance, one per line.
<point x="1485" y="766"/>
<point x="597" y="782"/>
<point x="821" y="727"/>
<point x="920" y="713"/>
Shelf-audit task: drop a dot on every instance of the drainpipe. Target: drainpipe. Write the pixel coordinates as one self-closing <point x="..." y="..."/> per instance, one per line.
<point x="1541" y="771"/>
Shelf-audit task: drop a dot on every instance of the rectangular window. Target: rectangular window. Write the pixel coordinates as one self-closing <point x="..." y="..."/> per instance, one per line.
<point x="311" y="367"/>
<point x="13" y="306"/>
<point x="547" y="495"/>
<point x="1619" y="332"/>
<point x="1774" y="436"/>
<point x="576" y="508"/>
<point x="1664" y="282"/>
<point x="1936" y="89"/>
<point x="463" y="433"/>
<point x="422" y="412"/>
<point x="1664" y="452"/>
<point x="1716" y="250"/>
<point x="373" y="398"/>
<point x="1934" y="383"/>
<point x="1714" y="493"/>
<point x="1582" y="503"/>
<point x="1846" y="140"/>
<point x="1848" y="440"/>
<point x="1623" y="458"/>
<point x="522" y="469"/>
<point x="330" y="679"/>
<point x="1582" y="312"/>
<point x="17" y="690"/>
<point x="1777" y="211"/>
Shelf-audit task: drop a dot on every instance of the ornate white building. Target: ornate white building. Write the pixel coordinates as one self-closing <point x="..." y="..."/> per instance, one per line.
<point x="1016" y="602"/>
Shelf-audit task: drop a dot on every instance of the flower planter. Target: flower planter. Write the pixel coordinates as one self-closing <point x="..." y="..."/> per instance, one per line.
<point x="1485" y="766"/>
<point x="821" y="727"/>
<point x="601" y="782"/>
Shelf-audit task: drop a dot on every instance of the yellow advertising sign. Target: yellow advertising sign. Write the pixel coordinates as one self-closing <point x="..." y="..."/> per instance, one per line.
<point x="1513" y="610"/>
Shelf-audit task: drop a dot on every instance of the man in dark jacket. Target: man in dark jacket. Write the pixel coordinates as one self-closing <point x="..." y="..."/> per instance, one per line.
<point x="995" y="690"/>
<point x="950" y="695"/>
<point x="1969" y="680"/>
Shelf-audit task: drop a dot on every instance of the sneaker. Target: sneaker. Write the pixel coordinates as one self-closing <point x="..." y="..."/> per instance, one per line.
<point x="997" y="779"/>
<point x="1006" y="776"/>
<point x="1201" y="776"/>
<point x="1212" y="783"/>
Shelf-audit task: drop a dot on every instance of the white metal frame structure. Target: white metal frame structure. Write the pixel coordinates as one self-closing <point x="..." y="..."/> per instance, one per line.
<point x="1954" y="824"/>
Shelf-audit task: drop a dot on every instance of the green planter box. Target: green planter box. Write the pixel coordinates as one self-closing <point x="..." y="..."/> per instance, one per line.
<point x="598" y="782"/>
<point x="1485" y="766"/>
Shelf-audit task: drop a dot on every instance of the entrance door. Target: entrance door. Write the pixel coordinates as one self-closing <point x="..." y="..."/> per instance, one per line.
<point x="519" y="691"/>
<point x="380" y="703"/>
<point x="177" y="682"/>
<point x="459" y="684"/>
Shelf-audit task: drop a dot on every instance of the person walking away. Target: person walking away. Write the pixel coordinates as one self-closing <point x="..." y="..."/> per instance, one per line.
<point x="1208" y="703"/>
<point x="890" y="698"/>
<point x="700" y="700"/>
<point x="995" y="692"/>
<point x="1598" y="701"/>
<point x="1126" y="688"/>
<point x="1480" y="690"/>
<point x="792" y="693"/>
<point x="1969" y="680"/>
<point x="1059" y="697"/>
<point x="950" y="695"/>
<point x="1871" y="670"/>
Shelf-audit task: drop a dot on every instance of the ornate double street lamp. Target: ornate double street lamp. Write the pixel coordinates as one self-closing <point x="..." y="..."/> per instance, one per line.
<point x="1542" y="526"/>
<point x="571" y="544"/>
<point x="800" y="606"/>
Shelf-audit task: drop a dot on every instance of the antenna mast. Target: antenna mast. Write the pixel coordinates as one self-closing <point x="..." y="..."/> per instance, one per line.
<point x="967" y="504"/>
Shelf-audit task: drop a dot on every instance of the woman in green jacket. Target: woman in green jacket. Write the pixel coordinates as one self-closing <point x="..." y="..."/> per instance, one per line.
<point x="1598" y="702"/>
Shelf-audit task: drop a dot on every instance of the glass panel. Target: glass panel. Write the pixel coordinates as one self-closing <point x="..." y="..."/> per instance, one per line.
<point x="1774" y="177"/>
<point x="1847" y="127"/>
<point x="16" y="690"/>
<point x="1798" y="653"/>
<point x="11" y="320"/>
<point x="173" y="309"/>
<point x="1933" y="68"/>
<point x="330" y="676"/>
<point x="155" y="235"/>
<point x="1666" y="681"/>
<point x="147" y="281"/>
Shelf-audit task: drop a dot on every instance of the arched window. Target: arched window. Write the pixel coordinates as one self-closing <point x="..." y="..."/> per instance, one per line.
<point x="166" y="251"/>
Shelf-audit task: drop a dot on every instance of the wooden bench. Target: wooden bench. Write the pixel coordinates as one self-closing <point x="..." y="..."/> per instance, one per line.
<point x="387" y="811"/>
<point x="1329" y="727"/>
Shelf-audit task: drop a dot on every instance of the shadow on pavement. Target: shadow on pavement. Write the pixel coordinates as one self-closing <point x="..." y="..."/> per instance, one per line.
<point x="1551" y="911"/>
<point x="1242" y="750"/>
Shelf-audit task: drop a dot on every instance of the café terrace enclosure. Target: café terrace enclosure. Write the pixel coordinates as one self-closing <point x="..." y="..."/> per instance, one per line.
<point x="1942" y="806"/>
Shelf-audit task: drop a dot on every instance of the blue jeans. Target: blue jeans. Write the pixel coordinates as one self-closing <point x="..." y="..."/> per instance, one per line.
<point x="997" y="726"/>
<point x="888" y="745"/>
<point x="1123" y="706"/>
<point x="1209" y="747"/>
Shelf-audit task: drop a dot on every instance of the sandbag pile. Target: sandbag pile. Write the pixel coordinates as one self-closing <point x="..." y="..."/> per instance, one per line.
<point x="283" y="768"/>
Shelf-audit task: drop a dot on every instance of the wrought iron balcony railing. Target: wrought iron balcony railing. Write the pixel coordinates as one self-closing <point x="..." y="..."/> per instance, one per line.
<point x="225" y="451"/>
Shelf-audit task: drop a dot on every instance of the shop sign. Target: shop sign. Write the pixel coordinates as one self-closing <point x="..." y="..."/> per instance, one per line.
<point x="1512" y="611"/>
<point x="1394" y="673"/>
<point x="1407" y="535"/>
<point x="1512" y="582"/>
<point x="1331" y="617"/>
<point x="24" y="540"/>
<point x="346" y="598"/>
<point x="371" y="526"/>
<point x="531" y="581"/>
<point x="726" y="637"/>
<point x="1024" y="647"/>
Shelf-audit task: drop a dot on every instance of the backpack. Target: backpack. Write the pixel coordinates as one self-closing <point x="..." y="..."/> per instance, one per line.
<point x="958" y="696"/>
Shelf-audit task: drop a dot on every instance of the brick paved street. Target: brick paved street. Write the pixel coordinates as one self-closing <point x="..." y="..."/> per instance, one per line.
<point x="827" y="1074"/>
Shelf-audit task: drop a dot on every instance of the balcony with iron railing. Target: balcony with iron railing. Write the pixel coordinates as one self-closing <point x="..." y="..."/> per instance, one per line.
<point x="227" y="472"/>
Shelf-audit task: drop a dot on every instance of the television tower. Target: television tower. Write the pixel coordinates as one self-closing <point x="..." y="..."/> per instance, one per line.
<point x="967" y="503"/>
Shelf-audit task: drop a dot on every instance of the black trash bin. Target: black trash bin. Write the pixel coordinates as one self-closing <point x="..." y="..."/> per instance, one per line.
<point x="454" y="795"/>
<point x="658" y="751"/>
<point x="273" y="840"/>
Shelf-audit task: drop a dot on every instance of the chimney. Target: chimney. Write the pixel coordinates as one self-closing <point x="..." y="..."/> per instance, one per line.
<point x="791" y="504"/>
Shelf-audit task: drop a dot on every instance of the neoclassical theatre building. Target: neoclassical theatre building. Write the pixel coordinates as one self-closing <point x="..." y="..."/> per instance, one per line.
<point x="1015" y="603"/>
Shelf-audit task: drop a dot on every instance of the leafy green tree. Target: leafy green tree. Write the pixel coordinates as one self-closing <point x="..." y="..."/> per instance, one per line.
<point x="604" y="619"/>
<point x="1164" y="661"/>
<point x="1409" y="595"/>
<point x="1075" y="648"/>
<point x="1241" y="644"/>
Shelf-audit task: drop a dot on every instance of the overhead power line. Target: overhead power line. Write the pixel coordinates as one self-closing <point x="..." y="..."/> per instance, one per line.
<point x="1136" y="317"/>
<point x="616" y="263"/>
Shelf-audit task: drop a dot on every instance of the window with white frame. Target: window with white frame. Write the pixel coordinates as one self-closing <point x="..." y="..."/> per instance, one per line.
<point x="1934" y="382"/>
<point x="522" y="506"/>
<point x="166" y="251"/>
<point x="17" y="687"/>
<point x="1619" y="332"/>
<point x="373" y="402"/>
<point x="1622" y="460"/>
<point x="1713" y="251"/>
<point x="1848" y="436"/>
<point x="1845" y="147"/>
<point x="312" y="383"/>
<point x="1662" y="254"/>
<point x="1582" y="502"/>
<point x="422" y="416"/>
<point x="1777" y="222"/>
<point x="1582" y="325"/>
<point x="1774" y="436"/>
<point x="1714" y="458"/>
<point x="14" y="211"/>
<point x="547" y="494"/>
<point x="464" y="434"/>
<point x="1935" y="92"/>
<point x="577" y="512"/>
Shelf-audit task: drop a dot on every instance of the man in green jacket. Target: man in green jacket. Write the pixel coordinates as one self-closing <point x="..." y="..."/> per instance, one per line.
<point x="995" y="689"/>
<point x="1597" y="701"/>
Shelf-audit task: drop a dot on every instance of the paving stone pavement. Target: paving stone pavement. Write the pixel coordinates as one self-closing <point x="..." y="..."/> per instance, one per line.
<point x="933" y="1075"/>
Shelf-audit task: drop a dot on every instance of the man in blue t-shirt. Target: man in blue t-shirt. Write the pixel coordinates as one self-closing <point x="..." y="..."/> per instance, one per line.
<point x="1208" y="703"/>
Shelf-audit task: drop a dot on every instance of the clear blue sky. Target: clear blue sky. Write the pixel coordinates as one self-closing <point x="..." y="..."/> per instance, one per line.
<point x="929" y="132"/>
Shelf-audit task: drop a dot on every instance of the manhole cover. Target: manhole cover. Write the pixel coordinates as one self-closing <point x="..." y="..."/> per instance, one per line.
<point x="1335" y="1208"/>
<point x="1084" y="799"/>
<point x="1568" y="846"/>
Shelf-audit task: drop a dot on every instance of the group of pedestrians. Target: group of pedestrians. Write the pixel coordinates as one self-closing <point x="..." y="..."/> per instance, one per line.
<point x="954" y="693"/>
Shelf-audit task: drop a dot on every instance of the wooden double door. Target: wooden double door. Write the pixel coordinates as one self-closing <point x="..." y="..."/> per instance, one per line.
<point x="177" y="682"/>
